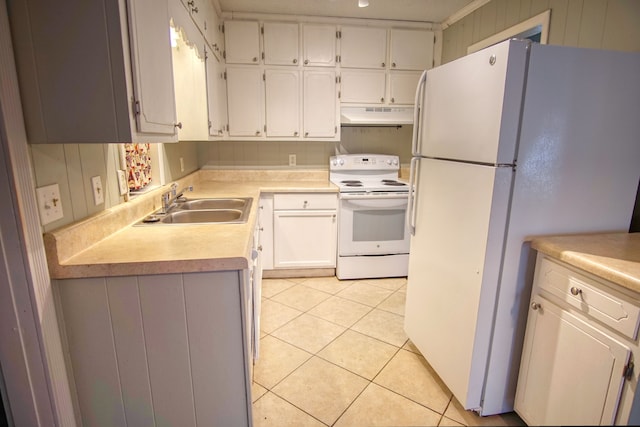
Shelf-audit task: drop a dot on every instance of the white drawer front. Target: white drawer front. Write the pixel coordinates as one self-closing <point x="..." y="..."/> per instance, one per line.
<point x="305" y="201"/>
<point x="587" y="295"/>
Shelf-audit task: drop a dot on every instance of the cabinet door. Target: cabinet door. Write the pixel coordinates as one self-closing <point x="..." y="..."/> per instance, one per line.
<point x="571" y="373"/>
<point x="411" y="49"/>
<point x="363" y="47"/>
<point x="280" y="43"/>
<point x="189" y="72"/>
<point x="362" y="86"/>
<point x="242" y="42"/>
<point x="402" y="86"/>
<point x="320" y="104"/>
<point x="245" y="101"/>
<point x="304" y="239"/>
<point x="265" y="218"/>
<point x="282" y="102"/>
<point x="152" y="68"/>
<point x="319" y="45"/>
<point x="216" y="96"/>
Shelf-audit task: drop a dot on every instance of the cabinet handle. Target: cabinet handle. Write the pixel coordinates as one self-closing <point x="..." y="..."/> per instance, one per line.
<point x="295" y="61"/>
<point x="178" y="125"/>
<point x="575" y="291"/>
<point x="535" y="305"/>
<point x="260" y="248"/>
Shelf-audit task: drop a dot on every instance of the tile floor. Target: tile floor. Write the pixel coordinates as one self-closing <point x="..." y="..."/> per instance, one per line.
<point x="334" y="353"/>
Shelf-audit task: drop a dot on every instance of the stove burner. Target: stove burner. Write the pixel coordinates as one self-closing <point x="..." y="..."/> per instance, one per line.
<point x="353" y="184"/>
<point x="351" y="181"/>
<point x="394" y="183"/>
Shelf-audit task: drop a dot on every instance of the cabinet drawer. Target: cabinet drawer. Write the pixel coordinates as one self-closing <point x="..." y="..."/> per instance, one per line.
<point x="588" y="296"/>
<point x="305" y="201"/>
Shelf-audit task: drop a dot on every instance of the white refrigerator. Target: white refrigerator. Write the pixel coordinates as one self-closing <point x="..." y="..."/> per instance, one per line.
<point x="518" y="139"/>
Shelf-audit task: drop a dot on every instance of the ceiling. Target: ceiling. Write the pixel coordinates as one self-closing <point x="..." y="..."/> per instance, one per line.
<point x="434" y="11"/>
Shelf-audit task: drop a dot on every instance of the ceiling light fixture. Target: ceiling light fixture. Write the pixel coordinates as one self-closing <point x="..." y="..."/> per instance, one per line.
<point x="363" y="3"/>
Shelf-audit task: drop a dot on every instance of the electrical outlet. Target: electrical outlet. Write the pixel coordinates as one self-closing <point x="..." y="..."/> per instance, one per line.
<point x="49" y="203"/>
<point x="96" y="184"/>
<point x="292" y="159"/>
<point x="181" y="164"/>
<point x="123" y="185"/>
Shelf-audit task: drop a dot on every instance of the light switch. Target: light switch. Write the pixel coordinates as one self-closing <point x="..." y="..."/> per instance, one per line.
<point x="123" y="185"/>
<point x="49" y="203"/>
<point x="96" y="184"/>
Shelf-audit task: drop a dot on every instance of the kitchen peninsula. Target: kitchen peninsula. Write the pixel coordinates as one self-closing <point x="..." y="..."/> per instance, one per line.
<point x="158" y="321"/>
<point x="581" y="342"/>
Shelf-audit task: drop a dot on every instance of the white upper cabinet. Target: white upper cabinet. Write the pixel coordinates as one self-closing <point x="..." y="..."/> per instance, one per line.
<point x="319" y="45"/>
<point x="402" y="87"/>
<point x="363" y="86"/>
<point x="115" y="83"/>
<point x="216" y="97"/>
<point x="320" y="109"/>
<point x="411" y="49"/>
<point x="363" y="47"/>
<point x="280" y="41"/>
<point x="245" y="101"/>
<point x="282" y="102"/>
<point x="242" y="42"/>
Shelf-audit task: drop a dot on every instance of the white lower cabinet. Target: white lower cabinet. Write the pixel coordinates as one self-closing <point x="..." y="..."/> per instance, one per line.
<point x="575" y="367"/>
<point x="166" y="349"/>
<point x="265" y="221"/>
<point x="304" y="230"/>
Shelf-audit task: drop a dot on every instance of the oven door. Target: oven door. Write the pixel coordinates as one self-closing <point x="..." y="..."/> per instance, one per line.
<point x="373" y="224"/>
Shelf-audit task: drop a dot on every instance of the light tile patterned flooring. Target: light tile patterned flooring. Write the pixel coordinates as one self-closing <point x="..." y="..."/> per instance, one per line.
<point x="334" y="353"/>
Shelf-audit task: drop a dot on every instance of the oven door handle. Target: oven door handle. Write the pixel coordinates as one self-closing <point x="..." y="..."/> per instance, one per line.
<point x="382" y="202"/>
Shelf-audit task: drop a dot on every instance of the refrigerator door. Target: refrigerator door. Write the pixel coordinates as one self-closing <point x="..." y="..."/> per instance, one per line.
<point x="471" y="106"/>
<point x="454" y="267"/>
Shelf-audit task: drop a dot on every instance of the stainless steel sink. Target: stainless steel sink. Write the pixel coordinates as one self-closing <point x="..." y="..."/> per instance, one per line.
<point x="234" y="203"/>
<point x="202" y="216"/>
<point x="202" y="211"/>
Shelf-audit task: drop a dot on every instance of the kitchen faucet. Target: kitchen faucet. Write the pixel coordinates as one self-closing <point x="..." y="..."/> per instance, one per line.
<point x="170" y="197"/>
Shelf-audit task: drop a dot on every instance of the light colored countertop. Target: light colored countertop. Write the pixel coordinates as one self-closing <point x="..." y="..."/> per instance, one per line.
<point x="612" y="256"/>
<point x="108" y="244"/>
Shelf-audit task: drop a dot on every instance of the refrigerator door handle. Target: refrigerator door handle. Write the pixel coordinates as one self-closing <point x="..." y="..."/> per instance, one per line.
<point x="411" y="204"/>
<point x="415" y="140"/>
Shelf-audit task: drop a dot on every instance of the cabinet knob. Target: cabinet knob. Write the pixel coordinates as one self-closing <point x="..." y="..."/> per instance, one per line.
<point x="306" y="134"/>
<point x="393" y="100"/>
<point x="295" y="61"/>
<point x="295" y="133"/>
<point x="305" y="203"/>
<point x="306" y="61"/>
<point x="381" y="99"/>
<point x="393" y="64"/>
<point x="383" y="64"/>
<point x="194" y="9"/>
<point x="575" y="291"/>
<point x="255" y="59"/>
<point x="178" y="125"/>
<point x="257" y="133"/>
<point x="535" y="305"/>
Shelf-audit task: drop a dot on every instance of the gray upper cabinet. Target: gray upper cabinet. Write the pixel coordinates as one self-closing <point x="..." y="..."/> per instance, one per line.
<point x="100" y="74"/>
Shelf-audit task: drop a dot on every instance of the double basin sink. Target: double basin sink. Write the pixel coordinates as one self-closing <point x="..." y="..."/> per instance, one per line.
<point x="202" y="211"/>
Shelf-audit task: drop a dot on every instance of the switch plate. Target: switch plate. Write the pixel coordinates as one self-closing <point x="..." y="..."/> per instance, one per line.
<point x="49" y="203"/>
<point x="123" y="185"/>
<point x="96" y="184"/>
<point x="292" y="159"/>
<point x="181" y="164"/>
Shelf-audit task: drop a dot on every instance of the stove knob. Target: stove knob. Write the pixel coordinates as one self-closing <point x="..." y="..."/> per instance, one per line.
<point x="389" y="161"/>
<point x="341" y="161"/>
<point x="395" y="162"/>
<point x="335" y="162"/>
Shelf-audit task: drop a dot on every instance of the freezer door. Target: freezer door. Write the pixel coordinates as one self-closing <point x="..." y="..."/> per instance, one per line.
<point x="454" y="266"/>
<point x="471" y="106"/>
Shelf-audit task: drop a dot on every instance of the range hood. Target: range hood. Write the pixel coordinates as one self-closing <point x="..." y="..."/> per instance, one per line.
<point x="376" y="116"/>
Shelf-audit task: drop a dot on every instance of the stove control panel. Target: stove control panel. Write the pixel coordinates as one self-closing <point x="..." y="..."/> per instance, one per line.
<point x="364" y="162"/>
